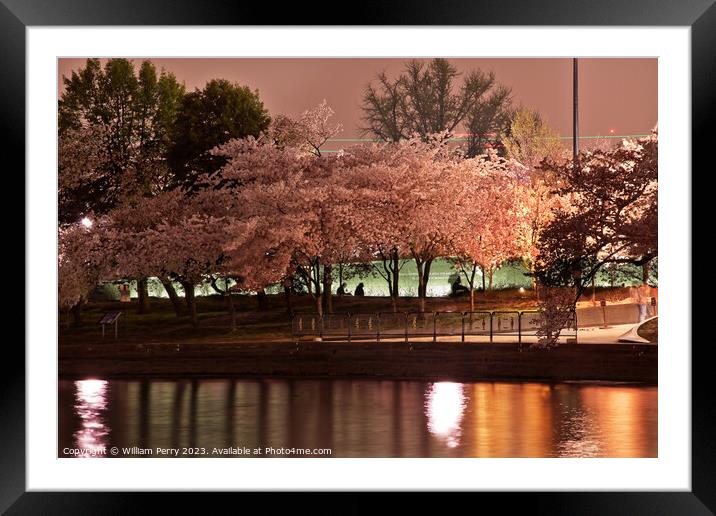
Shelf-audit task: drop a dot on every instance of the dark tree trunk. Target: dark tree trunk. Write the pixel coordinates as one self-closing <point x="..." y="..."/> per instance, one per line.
<point x="142" y="296"/>
<point x="421" y="288"/>
<point x="471" y="282"/>
<point x="534" y="286"/>
<point x="319" y="305"/>
<point x="390" y="271"/>
<point x="645" y="269"/>
<point x="424" y="277"/>
<point x="396" y="273"/>
<point x="287" y="298"/>
<point x="426" y="274"/>
<point x="232" y="310"/>
<point x="327" y="289"/>
<point x="76" y="312"/>
<point x="421" y="299"/>
<point x="190" y="302"/>
<point x="316" y="277"/>
<point x="315" y="280"/>
<point x="179" y="309"/>
<point x="262" y="299"/>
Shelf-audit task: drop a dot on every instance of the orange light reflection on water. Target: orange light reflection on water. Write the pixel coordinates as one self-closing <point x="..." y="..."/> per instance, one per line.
<point x="367" y="418"/>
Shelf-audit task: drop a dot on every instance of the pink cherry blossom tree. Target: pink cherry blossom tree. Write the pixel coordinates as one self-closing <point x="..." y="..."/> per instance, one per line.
<point x="433" y="205"/>
<point x="81" y="265"/>
<point x="611" y="219"/>
<point x="285" y="191"/>
<point x="307" y="133"/>
<point x="485" y="228"/>
<point x="133" y="258"/>
<point x="376" y="177"/>
<point x="174" y="236"/>
<point x="402" y="205"/>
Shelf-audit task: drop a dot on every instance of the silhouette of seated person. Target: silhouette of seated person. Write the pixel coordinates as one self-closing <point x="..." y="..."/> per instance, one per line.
<point x="342" y="291"/>
<point x="359" y="290"/>
<point x="457" y="288"/>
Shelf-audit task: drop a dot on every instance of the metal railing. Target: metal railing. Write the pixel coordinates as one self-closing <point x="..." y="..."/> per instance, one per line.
<point x="487" y="325"/>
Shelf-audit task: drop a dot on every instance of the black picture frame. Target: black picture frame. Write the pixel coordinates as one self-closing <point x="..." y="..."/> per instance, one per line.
<point x="17" y="15"/>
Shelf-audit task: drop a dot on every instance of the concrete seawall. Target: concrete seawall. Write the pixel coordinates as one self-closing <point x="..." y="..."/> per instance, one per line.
<point x="619" y="313"/>
<point x="444" y="361"/>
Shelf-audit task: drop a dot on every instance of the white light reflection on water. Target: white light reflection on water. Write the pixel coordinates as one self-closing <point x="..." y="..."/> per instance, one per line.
<point x="90" y="406"/>
<point x="445" y="406"/>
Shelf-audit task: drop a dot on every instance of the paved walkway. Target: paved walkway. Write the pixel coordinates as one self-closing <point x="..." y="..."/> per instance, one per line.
<point x="597" y="335"/>
<point x="587" y="335"/>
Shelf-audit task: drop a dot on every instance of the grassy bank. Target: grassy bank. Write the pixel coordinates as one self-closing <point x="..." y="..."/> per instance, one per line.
<point x="161" y="344"/>
<point x="161" y="325"/>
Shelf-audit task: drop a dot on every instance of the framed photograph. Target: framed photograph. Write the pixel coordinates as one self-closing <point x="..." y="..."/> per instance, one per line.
<point x="419" y="252"/>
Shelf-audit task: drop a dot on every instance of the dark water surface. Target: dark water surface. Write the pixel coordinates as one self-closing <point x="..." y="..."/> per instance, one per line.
<point x="356" y="418"/>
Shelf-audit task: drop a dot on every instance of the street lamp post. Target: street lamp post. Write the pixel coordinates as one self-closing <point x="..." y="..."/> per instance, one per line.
<point x="575" y="109"/>
<point x="604" y="326"/>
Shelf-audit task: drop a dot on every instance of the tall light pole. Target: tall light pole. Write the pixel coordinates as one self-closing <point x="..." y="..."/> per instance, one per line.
<point x="575" y="110"/>
<point x="575" y="144"/>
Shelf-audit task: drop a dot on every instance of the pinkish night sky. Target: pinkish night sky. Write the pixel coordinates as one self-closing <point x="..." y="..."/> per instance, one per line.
<point x="618" y="94"/>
